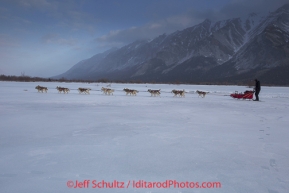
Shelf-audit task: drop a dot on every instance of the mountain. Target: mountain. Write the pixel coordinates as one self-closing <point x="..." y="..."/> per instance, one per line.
<point x="233" y="50"/>
<point x="84" y="66"/>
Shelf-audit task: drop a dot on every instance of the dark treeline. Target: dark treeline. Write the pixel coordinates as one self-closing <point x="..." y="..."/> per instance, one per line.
<point x="24" y="78"/>
<point x="36" y="79"/>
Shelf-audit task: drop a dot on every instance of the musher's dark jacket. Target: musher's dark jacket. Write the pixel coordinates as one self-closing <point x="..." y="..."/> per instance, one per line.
<point x="257" y="87"/>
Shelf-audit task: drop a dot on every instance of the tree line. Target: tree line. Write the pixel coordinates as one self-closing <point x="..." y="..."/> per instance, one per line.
<point x="25" y="78"/>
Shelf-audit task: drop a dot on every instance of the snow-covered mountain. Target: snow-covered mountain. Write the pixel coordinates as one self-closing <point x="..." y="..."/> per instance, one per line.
<point x="237" y="49"/>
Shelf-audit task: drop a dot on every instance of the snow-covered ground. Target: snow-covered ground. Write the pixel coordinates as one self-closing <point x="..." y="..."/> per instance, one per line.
<point x="47" y="139"/>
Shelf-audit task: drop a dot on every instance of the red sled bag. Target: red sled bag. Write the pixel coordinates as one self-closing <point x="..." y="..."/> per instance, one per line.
<point x="248" y="94"/>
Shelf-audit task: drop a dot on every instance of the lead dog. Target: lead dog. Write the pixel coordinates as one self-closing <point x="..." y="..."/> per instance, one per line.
<point x="202" y="93"/>
<point x="41" y="89"/>
<point x="154" y="92"/>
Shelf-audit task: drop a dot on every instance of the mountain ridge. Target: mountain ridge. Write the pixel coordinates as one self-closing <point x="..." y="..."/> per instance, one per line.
<point x="209" y="51"/>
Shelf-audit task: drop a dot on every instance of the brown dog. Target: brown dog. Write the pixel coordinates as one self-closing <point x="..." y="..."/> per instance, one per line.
<point x="201" y="93"/>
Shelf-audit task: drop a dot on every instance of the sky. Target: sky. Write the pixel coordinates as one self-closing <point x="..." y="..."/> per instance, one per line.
<point x="45" y="38"/>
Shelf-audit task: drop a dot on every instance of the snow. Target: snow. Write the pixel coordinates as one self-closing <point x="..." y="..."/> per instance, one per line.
<point x="49" y="138"/>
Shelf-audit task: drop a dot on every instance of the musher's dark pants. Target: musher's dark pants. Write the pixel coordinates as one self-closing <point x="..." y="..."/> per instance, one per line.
<point x="257" y="94"/>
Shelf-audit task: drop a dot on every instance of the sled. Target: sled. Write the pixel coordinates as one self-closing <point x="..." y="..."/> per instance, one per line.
<point x="248" y="94"/>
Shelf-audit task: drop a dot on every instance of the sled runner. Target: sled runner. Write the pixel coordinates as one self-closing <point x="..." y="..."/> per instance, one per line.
<point x="248" y="94"/>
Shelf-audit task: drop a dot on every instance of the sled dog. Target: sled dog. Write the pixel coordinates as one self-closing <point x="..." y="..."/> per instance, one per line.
<point x="154" y="92"/>
<point x="84" y="90"/>
<point x="41" y="89"/>
<point x="62" y="89"/>
<point x="181" y="93"/>
<point x="201" y="93"/>
<point x="107" y="91"/>
<point x="130" y="91"/>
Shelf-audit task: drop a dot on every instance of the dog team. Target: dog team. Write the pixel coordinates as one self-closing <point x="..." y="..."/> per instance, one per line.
<point x="131" y="92"/>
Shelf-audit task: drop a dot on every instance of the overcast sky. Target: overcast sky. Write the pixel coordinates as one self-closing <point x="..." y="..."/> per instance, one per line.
<point x="47" y="37"/>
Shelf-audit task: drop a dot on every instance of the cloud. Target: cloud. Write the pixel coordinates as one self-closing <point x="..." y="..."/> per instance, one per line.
<point x="116" y="38"/>
<point x="68" y="15"/>
<point x="56" y="39"/>
<point x="239" y="8"/>
<point x="8" y="41"/>
<point x="34" y="3"/>
<point x="6" y="16"/>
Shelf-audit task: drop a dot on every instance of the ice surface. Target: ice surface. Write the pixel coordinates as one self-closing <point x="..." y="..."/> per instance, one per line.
<point x="49" y="138"/>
